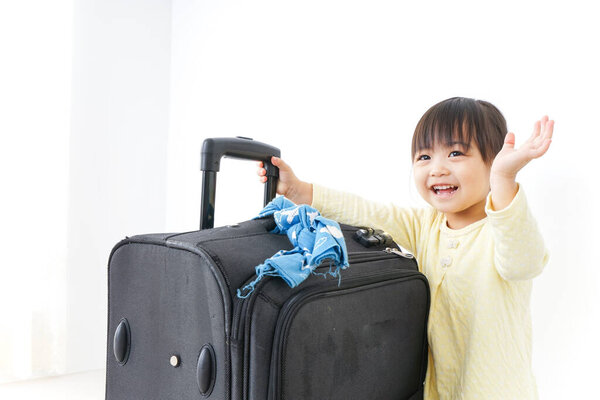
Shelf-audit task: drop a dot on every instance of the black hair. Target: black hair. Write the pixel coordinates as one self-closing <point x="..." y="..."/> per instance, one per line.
<point x="464" y="120"/>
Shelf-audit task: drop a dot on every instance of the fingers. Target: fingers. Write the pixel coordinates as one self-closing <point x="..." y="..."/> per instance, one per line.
<point x="541" y="150"/>
<point x="262" y="172"/>
<point x="276" y="161"/>
<point x="542" y="130"/>
<point x="537" y="128"/>
<point x="549" y="130"/>
<point x="542" y="142"/>
<point x="279" y="163"/>
<point x="543" y="122"/>
<point x="261" y="168"/>
<point x="509" y="139"/>
<point x="546" y="131"/>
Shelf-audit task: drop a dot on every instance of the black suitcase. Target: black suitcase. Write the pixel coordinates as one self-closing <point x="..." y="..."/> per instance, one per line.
<point x="177" y="330"/>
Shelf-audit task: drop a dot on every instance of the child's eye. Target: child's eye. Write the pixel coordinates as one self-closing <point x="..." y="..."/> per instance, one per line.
<point x="458" y="153"/>
<point x="423" y="157"/>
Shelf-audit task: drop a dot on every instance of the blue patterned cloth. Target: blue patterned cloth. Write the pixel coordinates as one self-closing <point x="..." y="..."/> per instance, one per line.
<point x="315" y="238"/>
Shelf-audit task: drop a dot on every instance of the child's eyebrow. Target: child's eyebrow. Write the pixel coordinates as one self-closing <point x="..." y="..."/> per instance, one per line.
<point x="449" y="144"/>
<point x="463" y="144"/>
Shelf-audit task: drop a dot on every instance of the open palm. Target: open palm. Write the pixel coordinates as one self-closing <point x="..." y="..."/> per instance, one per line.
<point x="509" y="160"/>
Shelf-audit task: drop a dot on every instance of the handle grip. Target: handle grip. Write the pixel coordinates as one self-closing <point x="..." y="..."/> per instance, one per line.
<point x="213" y="149"/>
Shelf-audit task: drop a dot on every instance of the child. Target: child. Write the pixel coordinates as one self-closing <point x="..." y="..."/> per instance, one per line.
<point x="478" y="245"/>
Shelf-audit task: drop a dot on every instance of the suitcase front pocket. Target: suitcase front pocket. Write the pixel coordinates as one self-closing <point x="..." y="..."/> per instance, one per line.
<point x="367" y="340"/>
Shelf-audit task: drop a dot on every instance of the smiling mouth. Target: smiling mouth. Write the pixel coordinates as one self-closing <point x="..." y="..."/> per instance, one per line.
<point x="444" y="190"/>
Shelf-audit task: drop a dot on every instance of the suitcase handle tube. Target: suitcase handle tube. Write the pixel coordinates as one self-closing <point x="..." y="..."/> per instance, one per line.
<point x="213" y="149"/>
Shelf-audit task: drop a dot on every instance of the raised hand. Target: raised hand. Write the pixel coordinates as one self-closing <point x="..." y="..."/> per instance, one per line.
<point x="509" y="160"/>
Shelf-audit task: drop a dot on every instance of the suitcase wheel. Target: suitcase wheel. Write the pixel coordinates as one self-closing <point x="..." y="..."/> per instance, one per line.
<point x="206" y="370"/>
<point x="122" y="342"/>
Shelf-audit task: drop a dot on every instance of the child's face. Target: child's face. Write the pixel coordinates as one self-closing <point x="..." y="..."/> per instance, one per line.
<point x="464" y="171"/>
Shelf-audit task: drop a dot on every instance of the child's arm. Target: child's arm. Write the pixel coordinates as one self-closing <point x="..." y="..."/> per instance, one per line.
<point x="520" y="252"/>
<point x="347" y="208"/>
<point x="404" y="224"/>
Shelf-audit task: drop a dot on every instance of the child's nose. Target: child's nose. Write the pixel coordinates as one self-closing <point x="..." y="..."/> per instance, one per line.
<point x="438" y="169"/>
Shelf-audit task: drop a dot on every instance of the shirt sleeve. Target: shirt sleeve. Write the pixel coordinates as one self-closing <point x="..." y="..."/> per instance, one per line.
<point x="403" y="224"/>
<point x="519" y="250"/>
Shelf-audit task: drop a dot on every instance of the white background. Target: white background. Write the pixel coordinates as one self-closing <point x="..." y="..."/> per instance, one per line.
<point x="101" y="137"/>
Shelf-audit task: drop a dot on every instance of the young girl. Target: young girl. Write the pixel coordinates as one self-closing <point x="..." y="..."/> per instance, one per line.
<point x="478" y="245"/>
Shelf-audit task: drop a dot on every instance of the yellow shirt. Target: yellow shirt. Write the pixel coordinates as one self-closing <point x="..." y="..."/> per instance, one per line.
<point x="480" y="276"/>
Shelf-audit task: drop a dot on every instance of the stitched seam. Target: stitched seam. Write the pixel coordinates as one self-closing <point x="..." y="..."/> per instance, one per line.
<point x="233" y="237"/>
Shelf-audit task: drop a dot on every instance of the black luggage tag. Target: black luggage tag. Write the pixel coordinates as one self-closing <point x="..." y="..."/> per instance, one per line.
<point x="370" y="237"/>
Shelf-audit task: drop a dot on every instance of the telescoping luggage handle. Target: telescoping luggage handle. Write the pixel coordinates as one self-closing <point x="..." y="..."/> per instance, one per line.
<point x="213" y="150"/>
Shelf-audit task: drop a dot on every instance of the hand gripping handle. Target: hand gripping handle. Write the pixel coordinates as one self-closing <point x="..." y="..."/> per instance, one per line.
<point x="213" y="150"/>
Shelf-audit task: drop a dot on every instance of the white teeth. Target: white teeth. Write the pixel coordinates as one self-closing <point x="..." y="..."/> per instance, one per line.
<point x="443" y="187"/>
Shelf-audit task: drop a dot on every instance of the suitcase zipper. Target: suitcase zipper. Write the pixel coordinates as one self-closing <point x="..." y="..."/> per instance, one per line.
<point x="398" y="252"/>
<point x="353" y="258"/>
<point x="297" y="301"/>
<point x="361" y="256"/>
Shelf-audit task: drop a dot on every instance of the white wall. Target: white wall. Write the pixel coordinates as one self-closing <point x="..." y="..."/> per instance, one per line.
<point x="339" y="86"/>
<point x="84" y="106"/>
<point x="121" y="62"/>
<point x="35" y="99"/>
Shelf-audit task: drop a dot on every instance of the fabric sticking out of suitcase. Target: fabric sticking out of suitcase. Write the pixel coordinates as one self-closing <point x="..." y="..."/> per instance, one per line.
<point x="177" y="330"/>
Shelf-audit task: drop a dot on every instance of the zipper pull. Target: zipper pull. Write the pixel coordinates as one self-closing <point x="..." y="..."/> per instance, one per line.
<point x="398" y="252"/>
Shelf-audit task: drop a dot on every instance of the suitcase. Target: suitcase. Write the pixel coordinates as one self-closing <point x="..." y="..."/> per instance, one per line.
<point x="177" y="330"/>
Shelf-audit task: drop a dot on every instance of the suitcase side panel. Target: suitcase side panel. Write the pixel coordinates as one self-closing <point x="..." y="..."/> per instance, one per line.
<point x="380" y="305"/>
<point x="174" y="306"/>
<point x="362" y="342"/>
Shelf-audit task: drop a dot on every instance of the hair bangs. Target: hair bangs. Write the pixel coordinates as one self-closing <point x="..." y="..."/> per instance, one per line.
<point x="460" y="120"/>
